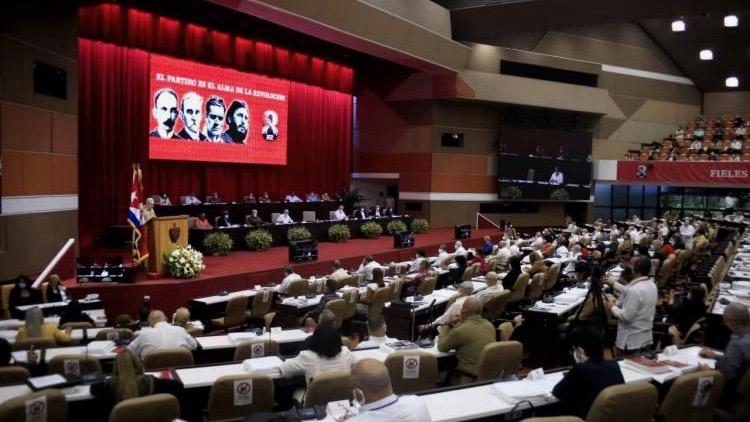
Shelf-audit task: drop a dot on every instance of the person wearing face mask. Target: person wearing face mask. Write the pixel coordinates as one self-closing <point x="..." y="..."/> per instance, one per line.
<point x="377" y="402"/>
<point x="589" y="376"/>
<point x="22" y="294"/>
<point x="225" y="220"/>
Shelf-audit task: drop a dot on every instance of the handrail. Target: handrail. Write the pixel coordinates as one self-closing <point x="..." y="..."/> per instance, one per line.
<point x="476" y="222"/>
<point x="65" y="248"/>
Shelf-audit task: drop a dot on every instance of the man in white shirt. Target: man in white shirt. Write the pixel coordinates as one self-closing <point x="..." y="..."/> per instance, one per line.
<point x="514" y="248"/>
<point x="687" y="231"/>
<point x="284" y="218"/>
<point x="556" y="178"/>
<point x="443" y="256"/>
<point x="191" y="199"/>
<point x="289" y="277"/>
<point x="340" y="214"/>
<point x="730" y="202"/>
<point x="459" y="248"/>
<point x="635" y="311"/>
<point x="376" y="212"/>
<point x="160" y="335"/>
<point x="292" y="197"/>
<point x="365" y="268"/>
<point x="371" y="381"/>
<point x="338" y="273"/>
<point x="377" y="328"/>
<point x="503" y="253"/>
<point x="421" y="256"/>
<point x="493" y="288"/>
<point x="635" y="236"/>
<point x="561" y="251"/>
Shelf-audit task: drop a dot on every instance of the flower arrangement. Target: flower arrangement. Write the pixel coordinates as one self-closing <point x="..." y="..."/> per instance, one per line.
<point x="184" y="262"/>
<point x="259" y="240"/>
<point x="559" y="195"/>
<point x="510" y="192"/>
<point x="218" y="243"/>
<point x="420" y="225"/>
<point x="395" y="226"/>
<point x="298" y="233"/>
<point x="371" y="230"/>
<point x="339" y="233"/>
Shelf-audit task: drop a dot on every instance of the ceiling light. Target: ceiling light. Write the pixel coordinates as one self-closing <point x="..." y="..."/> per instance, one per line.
<point x="678" y="25"/>
<point x="706" y="54"/>
<point x="732" y="82"/>
<point x="731" y="21"/>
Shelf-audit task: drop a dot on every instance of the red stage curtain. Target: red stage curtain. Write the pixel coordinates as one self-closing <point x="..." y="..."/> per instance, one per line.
<point x="159" y="34"/>
<point x="113" y="118"/>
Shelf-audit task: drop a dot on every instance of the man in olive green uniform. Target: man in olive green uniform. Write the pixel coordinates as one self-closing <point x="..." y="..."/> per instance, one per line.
<point x="468" y="333"/>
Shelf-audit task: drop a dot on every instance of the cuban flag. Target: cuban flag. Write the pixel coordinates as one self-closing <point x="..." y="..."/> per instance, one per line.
<point x="135" y="218"/>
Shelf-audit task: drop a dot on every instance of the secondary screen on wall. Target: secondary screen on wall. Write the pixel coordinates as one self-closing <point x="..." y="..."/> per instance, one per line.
<point x="210" y="113"/>
<point x="544" y="164"/>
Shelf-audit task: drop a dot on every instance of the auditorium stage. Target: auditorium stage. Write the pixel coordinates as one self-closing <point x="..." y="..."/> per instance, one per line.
<point x="243" y="269"/>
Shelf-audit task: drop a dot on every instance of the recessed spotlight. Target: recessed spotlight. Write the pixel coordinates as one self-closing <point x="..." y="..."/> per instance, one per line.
<point x="706" y="54"/>
<point x="731" y="21"/>
<point x="732" y="82"/>
<point x="678" y="25"/>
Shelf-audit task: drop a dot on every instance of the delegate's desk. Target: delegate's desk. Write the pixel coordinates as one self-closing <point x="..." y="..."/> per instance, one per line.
<point x="55" y="308"/>
<point x="20" y="355"/>
<point x="318" y="230"/>
<point x="221" y="348"/>
<point x="237" y="212"/>
<point x="98" y="315"/>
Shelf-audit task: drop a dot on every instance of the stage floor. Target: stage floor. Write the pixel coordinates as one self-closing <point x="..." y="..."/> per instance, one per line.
<point x="243" y="269"/>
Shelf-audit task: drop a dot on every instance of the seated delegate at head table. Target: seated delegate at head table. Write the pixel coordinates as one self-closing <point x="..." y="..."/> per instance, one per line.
<point x="312" y="197"/>
<point x="253" y="219"/>
<point x="292" y="197"/>
<point x="264" y="199"/>
<point x="376" y="212"/>
<point x="340" y="214"/>
<point x="225" y="220"/>
<point x="360" y="213"/>
<point x="160" y="335"/>
<point x="202" y="223"/>
<point x="284" y="218"/>
<point x="214" y="199"/>
<point x="55" y="291"/>
<point x="372" y="388"/>
<point x="325" y="197"/>
<point x="191" y="199"/>
<point x="249" y="199"/>
<point x="163" y="200"/>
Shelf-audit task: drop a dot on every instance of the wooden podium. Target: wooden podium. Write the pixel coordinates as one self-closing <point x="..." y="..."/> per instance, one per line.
<point x="164" y="233"/>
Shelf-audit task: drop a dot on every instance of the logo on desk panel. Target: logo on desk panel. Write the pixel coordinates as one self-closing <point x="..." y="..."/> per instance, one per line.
<point x="174" y="234"/>
<point x="243" y="392"/>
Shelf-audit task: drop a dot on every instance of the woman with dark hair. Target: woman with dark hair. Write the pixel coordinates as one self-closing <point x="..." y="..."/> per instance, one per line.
<point x="515" y="270"/>
<point x="73" y="313"/>
<point x="324" y="353"/>
<point x="128" y="381"/>
<point x="456" y="274"/>
<point x="55" y="291"/>
<point x="23" y="294"/>
<point x="376" y="283"/>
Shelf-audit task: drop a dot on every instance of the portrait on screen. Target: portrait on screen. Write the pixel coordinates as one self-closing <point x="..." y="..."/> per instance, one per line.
<point x="191" y="114"/>
<point x="165" y="113"/>
<point x="238" y="121"/>
<point x="215" y="113"/>
<point x="270" y="130"/>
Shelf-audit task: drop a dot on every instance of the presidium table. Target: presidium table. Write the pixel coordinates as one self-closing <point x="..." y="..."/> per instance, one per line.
<point x="238" y="212"/>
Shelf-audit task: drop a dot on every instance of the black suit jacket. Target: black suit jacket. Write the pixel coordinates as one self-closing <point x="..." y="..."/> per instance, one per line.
<point x="578" y="390"/>
<point x="224" y="221"/>
<point x="360" y="214"/>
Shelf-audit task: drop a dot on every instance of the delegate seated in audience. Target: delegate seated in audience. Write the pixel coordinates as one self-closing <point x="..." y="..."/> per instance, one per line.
<point x="411" y="287"/>
<point x="635" y="310"/>
<point x="181" y="318"/>
<point x="23" y="294"/>
<point x="735" y="147"/>
<point x="736" y="359"/>
<point x="292" y="197"/>
<point x="487" y="246"/>
<point x="312" y="197"/>
<point x="696" y="145"/>
<point x="443" y="256"/>
<point x="289" y="277"/>
<point x="416" y="264"/>
<point x="160" y="335"/>
<point x="163" y="200"/>
<point x="458" y="248"/>
<point x="537" y="264"/>
<point x="330" y="294"/>
<point x="35" y="327"/>
<point x="5" y="352"/>
<point x="475" y="256"/>
<point x="591" y="373"/>
<point x="254" y="220"/>
<point x="515" y="270"/>
<point x="73" y="313"/>
<point x="376" y="282"/>
<point x="466" y="332"/>
<point x="264" y="199"/>
<point x="503" y="254"/>
<point x="191" y="199"/>
<point x="325" y="197"/>
<point x="465" y="290"/>
<point x="493" y="288"/>
<point x="339" y="273"/>
<point x="214" y="199"/>
<point x="225" y="220"/>
<point x="128" y="381"/>
<point x="324" y="352"/>
<point x="249" y="199"/>
<point x="685" y="314"/>
<point x="373" y="389"/>
<point x="284" y="218"/>
<point x="55" y="292"/>
<point x="365" y="268"/>
<point x="202" y="223"/>
<point x="340" y="214"/>
<point x="456" y="274"/>
<point x="377" y="333"/>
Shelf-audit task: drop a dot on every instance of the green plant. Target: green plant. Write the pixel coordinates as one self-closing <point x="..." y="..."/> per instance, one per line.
<point x="218" y="243"/>
<point x="259" y="240"/>
<point x="298" y="233"/>
<point x="339" y="232"/>
<point x="183" y="262"/>
<point x="510" y="192"/>
<point x="559" y="195"/>
<point x="420" y="225"/>
<point x="395" y="226"/>
<point x="371" y="230"/>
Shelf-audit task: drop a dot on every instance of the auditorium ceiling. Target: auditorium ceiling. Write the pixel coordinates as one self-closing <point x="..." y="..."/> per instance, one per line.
<point x="497" y="22"/>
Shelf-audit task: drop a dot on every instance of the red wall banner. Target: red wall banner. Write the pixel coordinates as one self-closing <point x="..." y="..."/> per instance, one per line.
<point x="209" y="113"/>
<point x="668" y="172"/>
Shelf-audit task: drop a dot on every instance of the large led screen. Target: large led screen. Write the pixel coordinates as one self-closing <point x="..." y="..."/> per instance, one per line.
<point x="209" y="113"/>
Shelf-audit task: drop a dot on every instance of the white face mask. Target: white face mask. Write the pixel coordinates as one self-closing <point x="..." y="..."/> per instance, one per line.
<point x="577" y="357"/>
